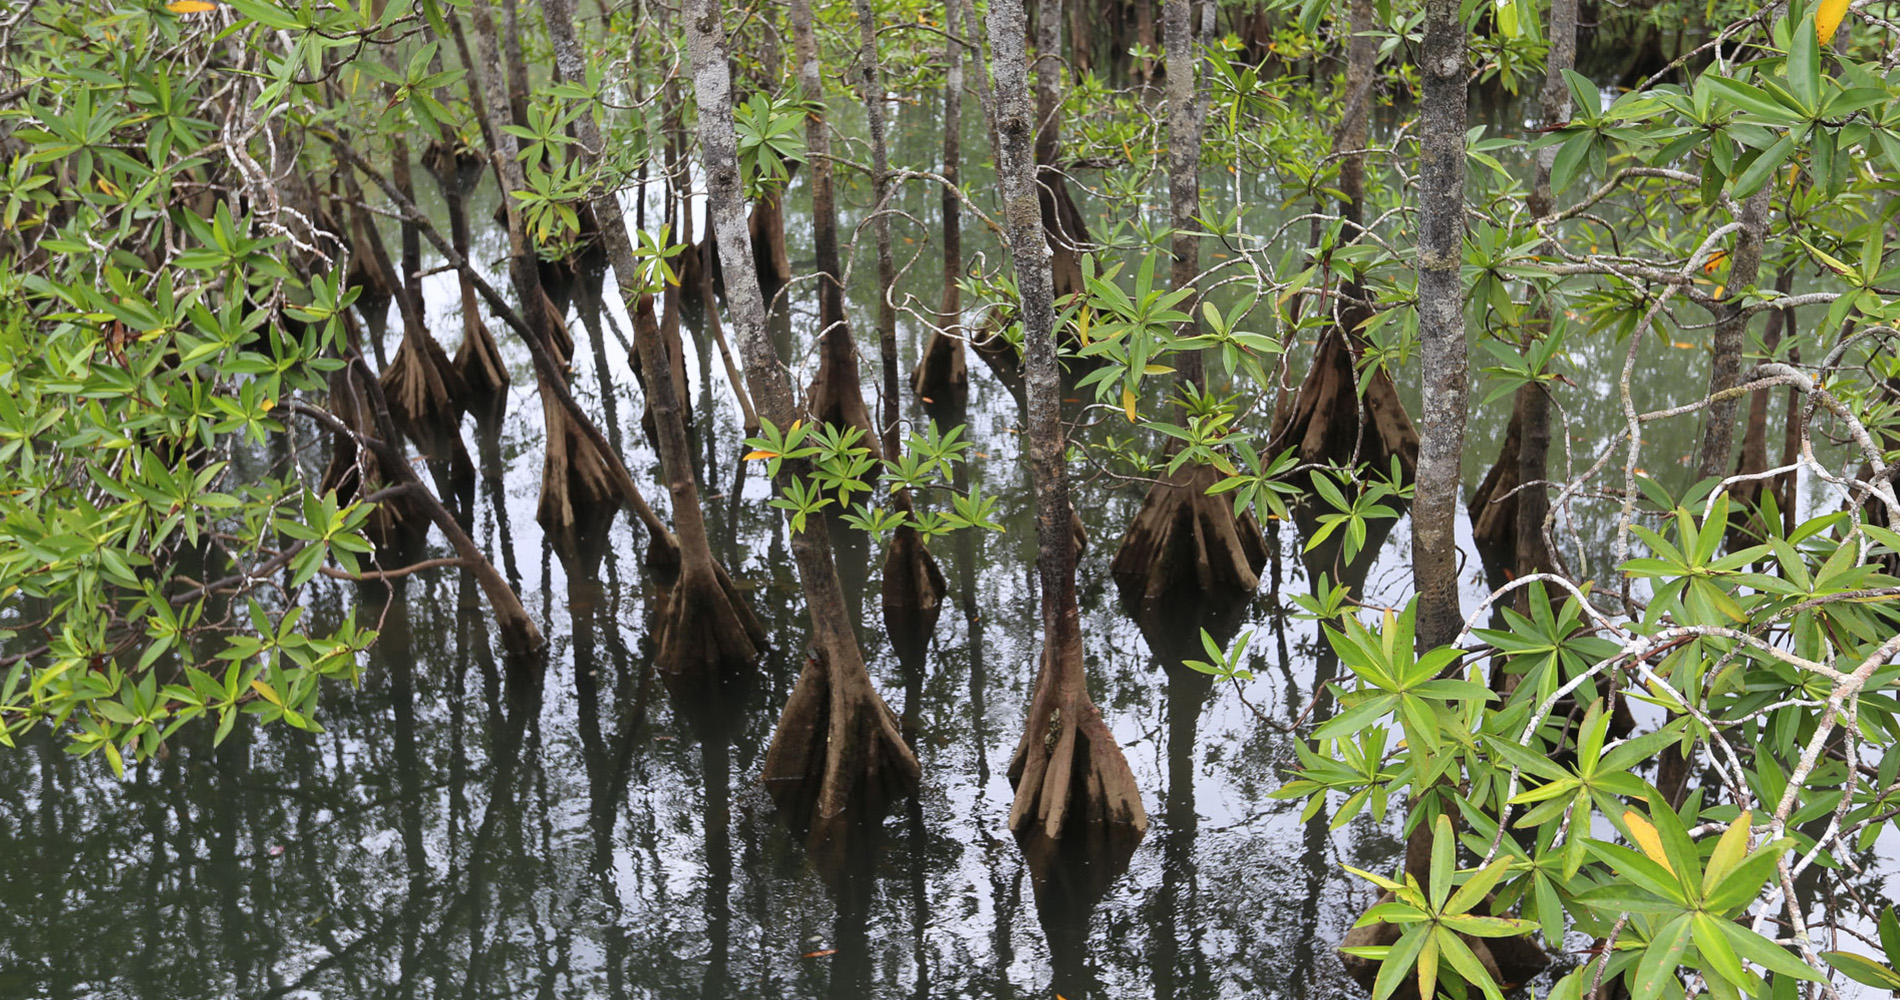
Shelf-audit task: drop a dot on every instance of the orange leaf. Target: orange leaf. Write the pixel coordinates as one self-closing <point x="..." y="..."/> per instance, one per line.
<point x="190" y="6"/>
<point x="1715" y="261"/>
<point x="755" y="455"/>
<point x="1827" y="18"/>
<point x="821" y="954"/>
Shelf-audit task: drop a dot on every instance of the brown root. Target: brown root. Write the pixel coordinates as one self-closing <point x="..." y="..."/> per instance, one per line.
<point x="425" y="392"/>
<point x="837" y="758"/>
<point x="353" y="473"/>
<point x="709" y="638"/>
<point x="835" y="396"/>
<point x="1508" y="960"/>
<point x="1328" y="420"/>
<point x="766" y="226"/>
<point x="1184" y="540"/>
<point x="459" y="166"/>
<point x="561" y="340"/>
<point x="942" y="375"/>
<point x="1065" y="230"/>
<point x="668" y="334"/>
<point x="913" y="595"/>
<point x="1493" y="507"/>
<point x="579" y="495"/>
<point x="1070" y="777"/>
<point x="377" y="293"/>
<point x="479" y="359"/>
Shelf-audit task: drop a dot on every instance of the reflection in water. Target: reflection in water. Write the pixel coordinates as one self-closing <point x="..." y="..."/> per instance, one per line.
<point x="463" y="830"/>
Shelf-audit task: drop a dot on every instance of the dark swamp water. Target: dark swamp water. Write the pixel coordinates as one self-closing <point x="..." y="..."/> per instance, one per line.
<point x="464" y="830"/>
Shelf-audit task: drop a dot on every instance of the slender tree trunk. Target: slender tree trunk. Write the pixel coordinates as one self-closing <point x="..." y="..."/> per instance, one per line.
<point x="1533" y="501"/>
<point x="1048" y="80"/>
<point x="1064" y="736"/>
<point x="837" y="754"/>
<point x="1441" y="326"/>
<point x="872" y="86"/>
<point x="985" y="97"/>
<point x="1184" y="167"/>
<point x="1145" y="38"/>
<point x="709" y="631"/>
<point x="942" y="374"/>
<point x="912" y="584"/>
<point x="1182" y="541"/>
<point x="1730" y="342"/>
<point x="542" y="327"/>
<point x="836" y="396"/>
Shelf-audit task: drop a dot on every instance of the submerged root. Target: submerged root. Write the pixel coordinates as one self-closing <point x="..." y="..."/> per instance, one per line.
<point x="709" y="639"/>
<point x="837" y="757"/>
<point x="425" y="392"/>
<point x="1328" y="420"/>
<point x="578" y="494"/>
<point x="478" y="360"/>
<point x="1493" y="508"/>
<point x="913" y="595"/>
<point x="354" y="473"/>
<point x="835" y="396"/>
<point x="942" y="375"/>
<point x="1070" y="777"/>
<point x="460" y="165"/>
<point x="766" y="226"/>
<point x="1184" y="540"/>
<point x="667" y="333"/>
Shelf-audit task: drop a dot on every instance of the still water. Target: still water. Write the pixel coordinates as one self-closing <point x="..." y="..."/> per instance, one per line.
<point x="464" y="829"/>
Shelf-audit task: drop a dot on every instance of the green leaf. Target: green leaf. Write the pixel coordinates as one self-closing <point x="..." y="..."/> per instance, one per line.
<point x="1766" y="953"/>
<point x="1657" y="967"/>
<point x="1865" y="971"/>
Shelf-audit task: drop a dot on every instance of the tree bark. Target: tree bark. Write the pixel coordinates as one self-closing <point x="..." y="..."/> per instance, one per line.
<point x="913" y="584"/>
<point x="1533" y="401"/>
<point x="1730" y="341"/>
<point x="1181" y="539"/>
<point x="1441" y="326"/>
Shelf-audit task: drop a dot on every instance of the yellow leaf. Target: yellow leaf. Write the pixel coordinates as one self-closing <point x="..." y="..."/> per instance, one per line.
<point x="1646" y="837"/>
<point x="1729" y="852"/>
<point x="751" y="456"/>
<point x="190" y="6"/>
<point x="269" y="693"/>
<point x="1715" y="261"/>
<point x="1827" y="18"/>
<point x="267" y="404"/>
<point x="1128" y="403"/>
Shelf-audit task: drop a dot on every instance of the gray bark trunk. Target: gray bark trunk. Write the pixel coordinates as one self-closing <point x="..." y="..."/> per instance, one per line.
<point x="1064" y="731"/>
<point x="1184" y="166"/>
<point x="1441" y="326"/>
<point x="850" y="695"/>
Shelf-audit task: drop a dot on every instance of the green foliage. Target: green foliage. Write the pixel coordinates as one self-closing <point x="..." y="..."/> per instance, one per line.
<point x="158" y="544"/>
